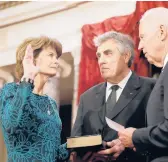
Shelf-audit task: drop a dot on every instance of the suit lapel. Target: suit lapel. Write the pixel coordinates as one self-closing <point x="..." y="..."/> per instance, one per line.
<point x="131" y="89"/>
<point x="99" y="103"/>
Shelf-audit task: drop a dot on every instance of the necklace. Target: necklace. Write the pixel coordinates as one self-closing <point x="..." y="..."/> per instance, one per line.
<point x="48" y="111"/>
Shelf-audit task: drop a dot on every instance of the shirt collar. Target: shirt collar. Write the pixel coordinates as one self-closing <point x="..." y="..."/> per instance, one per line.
<point x="165" y="61"/>
<point x="122" y="83"/>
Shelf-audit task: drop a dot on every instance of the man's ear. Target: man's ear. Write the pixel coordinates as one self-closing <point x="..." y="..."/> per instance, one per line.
<point x="127" y="56"/>
<point x="163" y="32"/>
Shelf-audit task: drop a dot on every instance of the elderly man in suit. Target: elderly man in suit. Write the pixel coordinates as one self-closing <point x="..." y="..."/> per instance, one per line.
<point x="153" y="140"/>
<point x="122" y="97"/>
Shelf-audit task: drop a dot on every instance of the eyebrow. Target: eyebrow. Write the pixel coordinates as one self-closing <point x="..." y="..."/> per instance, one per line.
<point x="52" y="53"/>
<point x="57" y="56"/>
<point x="106" y="51"/>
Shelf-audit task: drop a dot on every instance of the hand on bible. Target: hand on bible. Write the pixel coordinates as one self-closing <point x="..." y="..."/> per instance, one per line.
<point x="115" y="148"/>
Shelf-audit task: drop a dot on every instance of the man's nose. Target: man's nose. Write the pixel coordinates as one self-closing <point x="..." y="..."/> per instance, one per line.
<point x="140" y="46"/>
<point x="101" y="60"/>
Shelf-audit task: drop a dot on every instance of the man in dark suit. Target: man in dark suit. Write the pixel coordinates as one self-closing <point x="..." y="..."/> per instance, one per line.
<point x="122" y="97"/>
<point x="153" y="140"/>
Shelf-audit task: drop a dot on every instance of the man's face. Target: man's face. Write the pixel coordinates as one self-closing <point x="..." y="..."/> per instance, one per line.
<point x="111" y="62"/>
<point x="150" y="43"/>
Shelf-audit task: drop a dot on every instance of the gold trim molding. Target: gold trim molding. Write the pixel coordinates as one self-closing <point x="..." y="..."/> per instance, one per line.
<point x="7" y="4"/>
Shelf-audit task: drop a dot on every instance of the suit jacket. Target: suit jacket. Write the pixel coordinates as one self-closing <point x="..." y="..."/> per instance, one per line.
<point x="128" y="111"/>
<point x="153" y="140"/>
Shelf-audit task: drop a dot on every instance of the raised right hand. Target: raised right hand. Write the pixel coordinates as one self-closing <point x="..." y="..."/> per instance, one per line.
<point x="30" y="70"/>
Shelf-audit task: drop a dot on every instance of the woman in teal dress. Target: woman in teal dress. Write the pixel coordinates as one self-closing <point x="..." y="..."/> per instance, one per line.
<point x="30" y="121"/>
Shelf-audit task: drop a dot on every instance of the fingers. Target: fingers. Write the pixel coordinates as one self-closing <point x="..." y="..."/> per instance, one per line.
<point x="30" y="70"/>
<point x="29" y="52"/>
<point x="118" y="148"/>
<point x="113" y="143"/>
<point x="106" y="152"/>
<point x="121" y="139"/>
<point x="116" y="155"/>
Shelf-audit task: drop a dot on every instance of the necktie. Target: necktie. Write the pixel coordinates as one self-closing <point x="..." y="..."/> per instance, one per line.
<point x="111" y="101"/>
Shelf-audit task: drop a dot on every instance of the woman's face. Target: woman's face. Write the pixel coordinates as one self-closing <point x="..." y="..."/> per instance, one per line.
<point x="47" y="61"/>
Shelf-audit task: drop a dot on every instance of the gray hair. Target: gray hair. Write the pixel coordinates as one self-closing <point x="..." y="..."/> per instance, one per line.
<point x="125" y="41"/>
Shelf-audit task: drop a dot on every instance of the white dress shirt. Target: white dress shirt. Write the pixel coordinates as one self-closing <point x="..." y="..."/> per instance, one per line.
<point x="120" y="84"/>
<point x="165" y="61"/>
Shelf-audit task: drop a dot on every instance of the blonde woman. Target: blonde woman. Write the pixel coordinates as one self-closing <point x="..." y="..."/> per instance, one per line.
<point x="30" y="121"/>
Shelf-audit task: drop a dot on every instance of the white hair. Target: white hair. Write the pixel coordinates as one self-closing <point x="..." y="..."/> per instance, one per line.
<point x="158" y="15"/>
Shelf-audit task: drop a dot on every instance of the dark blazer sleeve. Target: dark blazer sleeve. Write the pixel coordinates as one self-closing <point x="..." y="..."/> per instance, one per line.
<point x="77" y="128"/>
<point x="154" y="137"/>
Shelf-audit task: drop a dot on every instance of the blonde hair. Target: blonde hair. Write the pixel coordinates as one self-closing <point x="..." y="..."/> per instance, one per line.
<point x="38" y="44"/>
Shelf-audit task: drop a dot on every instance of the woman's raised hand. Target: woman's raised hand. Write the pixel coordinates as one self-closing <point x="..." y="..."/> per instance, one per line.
<point x="30" y="70"/>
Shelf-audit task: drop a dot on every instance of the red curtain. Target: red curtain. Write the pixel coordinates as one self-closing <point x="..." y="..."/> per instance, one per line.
<point x="89" y="74"/>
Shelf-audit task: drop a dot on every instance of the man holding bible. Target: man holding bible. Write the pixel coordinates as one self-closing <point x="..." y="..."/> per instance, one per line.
<point x="122" y="98"/>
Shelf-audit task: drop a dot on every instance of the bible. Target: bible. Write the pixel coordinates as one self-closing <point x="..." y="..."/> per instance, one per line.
<point x="84" y="141"/>
<point x="85" y="148"/>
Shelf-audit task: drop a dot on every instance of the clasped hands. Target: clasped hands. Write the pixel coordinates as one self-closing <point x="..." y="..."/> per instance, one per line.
<point x="117" y="146"/>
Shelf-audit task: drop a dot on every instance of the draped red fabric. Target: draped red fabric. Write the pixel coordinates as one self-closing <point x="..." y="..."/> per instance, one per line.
<point x="89" y="74"/>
